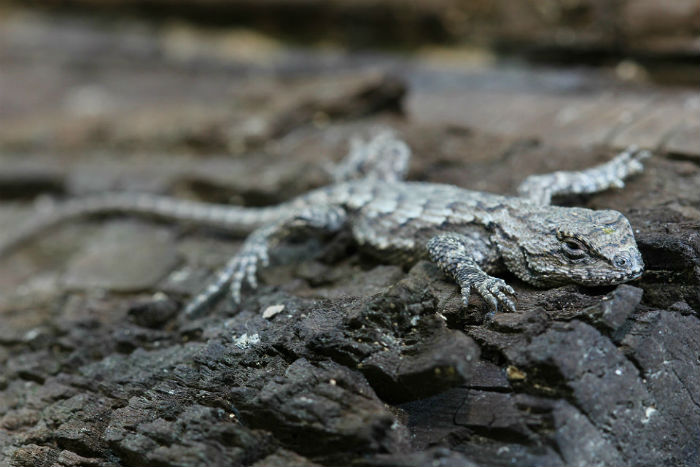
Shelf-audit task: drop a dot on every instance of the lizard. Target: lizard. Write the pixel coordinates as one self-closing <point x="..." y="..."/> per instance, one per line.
<point x="470" y="235"/>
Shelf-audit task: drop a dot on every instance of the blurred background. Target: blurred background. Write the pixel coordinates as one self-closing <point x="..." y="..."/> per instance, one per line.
<point x="245" y="101"/>
<point x="218" y="75"/>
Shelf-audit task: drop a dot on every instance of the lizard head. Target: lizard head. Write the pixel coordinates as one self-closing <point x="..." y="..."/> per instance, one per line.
<point x="581" y="246"/>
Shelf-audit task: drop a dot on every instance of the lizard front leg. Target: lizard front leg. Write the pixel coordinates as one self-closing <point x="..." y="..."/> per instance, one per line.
<point x="612" y="174"/>
<point x="451" y="253"/>
<point x="243" y="267"/>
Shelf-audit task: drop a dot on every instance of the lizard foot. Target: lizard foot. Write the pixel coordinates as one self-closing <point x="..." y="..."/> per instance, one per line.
<point x="244" y="267"/>
<point x="496" y="293"/>
<point x="240" y="269"/>
<point x="628" y="162"/>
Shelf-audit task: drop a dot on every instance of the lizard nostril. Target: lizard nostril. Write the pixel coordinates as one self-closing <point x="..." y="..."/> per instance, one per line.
<point x="620" y="261"/>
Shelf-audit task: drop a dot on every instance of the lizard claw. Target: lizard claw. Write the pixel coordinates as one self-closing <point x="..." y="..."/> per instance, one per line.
<point x="496" y="292"/>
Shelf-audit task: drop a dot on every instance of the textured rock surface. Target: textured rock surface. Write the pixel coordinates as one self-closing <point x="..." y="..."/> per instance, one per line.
<point x="336" y="359"/>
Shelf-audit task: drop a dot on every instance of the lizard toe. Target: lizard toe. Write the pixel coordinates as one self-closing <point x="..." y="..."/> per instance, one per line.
<point x="235" y="291"/>
<point x="250" y="274"/>
<point x="495" y="292"/>
<point x="194" y="307"/>
<point x="491" y="300"/>
<point x="264" y="258"/>
<point x="237" y="279"/>
<point x="506" y="302"/>
<point x="466" y="292"/>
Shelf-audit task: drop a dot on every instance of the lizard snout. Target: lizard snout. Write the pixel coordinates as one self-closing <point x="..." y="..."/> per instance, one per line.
<point x="631" y="264"/>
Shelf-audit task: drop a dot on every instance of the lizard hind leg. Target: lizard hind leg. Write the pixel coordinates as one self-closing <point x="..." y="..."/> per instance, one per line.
<point x="242" y="268"/>
<point x="383" y="157"/>
<point x="450" y="252"/>
<point x="612" y="174"/>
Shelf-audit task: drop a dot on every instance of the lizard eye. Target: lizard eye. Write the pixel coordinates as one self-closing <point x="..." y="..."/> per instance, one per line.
<point x="573" y="248"/>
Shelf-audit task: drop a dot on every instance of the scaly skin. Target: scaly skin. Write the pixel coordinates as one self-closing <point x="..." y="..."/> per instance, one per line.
<point x="469" y="235"/>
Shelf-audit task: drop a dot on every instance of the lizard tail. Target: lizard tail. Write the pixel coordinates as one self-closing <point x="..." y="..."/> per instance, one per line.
<point x="235" y="219"/>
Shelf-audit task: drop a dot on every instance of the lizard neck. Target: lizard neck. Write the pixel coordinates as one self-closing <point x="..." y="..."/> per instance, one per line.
<point x="519" y="225"/>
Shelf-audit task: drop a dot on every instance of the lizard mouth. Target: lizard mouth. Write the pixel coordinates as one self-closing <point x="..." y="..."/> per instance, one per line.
<point x="637" y="274"/>
<point x="612" y="278"/>
<point x="627" y="276"/>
